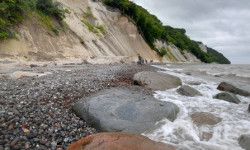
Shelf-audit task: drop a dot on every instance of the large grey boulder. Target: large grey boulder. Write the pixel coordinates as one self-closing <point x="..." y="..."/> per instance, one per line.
<point x="188" y="91"/>
<point x="123" y="110"/>
<point x="157" y="80"/>
<point x="224" y="86"/>
<point x="227" y="97"/>
<point x="244" y="141"/>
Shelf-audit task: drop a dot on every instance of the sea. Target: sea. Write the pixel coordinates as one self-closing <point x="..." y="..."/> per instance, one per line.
<point x="183" y="133"/>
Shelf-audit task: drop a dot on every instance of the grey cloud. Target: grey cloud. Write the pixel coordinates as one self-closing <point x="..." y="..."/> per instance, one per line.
<point x="220" y="24"/>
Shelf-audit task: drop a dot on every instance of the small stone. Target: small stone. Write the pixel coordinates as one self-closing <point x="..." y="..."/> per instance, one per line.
<point x="53" y="144"/>
<point x="13" y="143"/>
<point x="6" y="140"/>
<point x="2" y="119"/>
<point x="24" y="125"/>
<point x="66" y="140"/>
<point x="58" y="146"/>
<point x="26" y="131"/>
<point x="30" y="135"/>
<point x="27" y="145"/>
<point x="57" y="125"/>
<point x="11" y="126"/>
<point x="47" y="144"/>
<point x="43" y="142"/>
<point x="4" y="125"/>
<point x="36" y="140"/>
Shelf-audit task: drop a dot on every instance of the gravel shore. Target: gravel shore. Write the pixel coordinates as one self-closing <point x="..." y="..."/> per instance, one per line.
<point x="36" y="112"/>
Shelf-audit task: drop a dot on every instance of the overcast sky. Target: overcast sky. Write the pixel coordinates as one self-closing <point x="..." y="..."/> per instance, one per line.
<point x="221" y="24"/>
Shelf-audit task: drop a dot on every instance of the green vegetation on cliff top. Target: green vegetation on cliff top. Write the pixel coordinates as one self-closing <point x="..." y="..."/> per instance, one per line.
<point x="152" y="28"/>
<point x="13" y="12"/>
<point x="217" y="57"/>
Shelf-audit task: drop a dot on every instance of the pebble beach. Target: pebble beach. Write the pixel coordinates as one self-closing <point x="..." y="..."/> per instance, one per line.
<point x="36" y="111"/>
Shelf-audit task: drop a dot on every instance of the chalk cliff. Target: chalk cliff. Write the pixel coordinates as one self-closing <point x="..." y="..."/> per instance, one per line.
<point x="93" y="31"/>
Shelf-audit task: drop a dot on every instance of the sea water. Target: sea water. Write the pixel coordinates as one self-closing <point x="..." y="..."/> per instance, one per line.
<point x="183" y="133"/>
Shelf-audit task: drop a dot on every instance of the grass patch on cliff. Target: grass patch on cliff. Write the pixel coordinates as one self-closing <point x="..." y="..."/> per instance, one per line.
<point x="13" y="12"/>
<point x="90" y="27"/>
<point x="95" y="29"/>
<point x="162" y="52"/>
<point x="165" y="52"/>
<point x="47" y="20"/>
<point x="87" y="14"/>
<point x="170" y="56"/>
<point x="102" y="29"/>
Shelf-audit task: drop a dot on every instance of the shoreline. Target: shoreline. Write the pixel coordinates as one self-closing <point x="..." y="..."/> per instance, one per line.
<point x="36" y="111"/>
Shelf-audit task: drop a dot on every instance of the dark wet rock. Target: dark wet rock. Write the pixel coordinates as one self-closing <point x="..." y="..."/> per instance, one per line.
<point x="229" y="97"/>
<point x="157" y="80"/>
<point x="33" y="65"/>
<point x="218" y="75"/>
<point x="188" y="91"/>
<point x="204" y="118"/>
<point x="123" y="110"/>
<point x="244" y="141"/>
<point x="224" y="86"/>
<point x="118" y="141"/>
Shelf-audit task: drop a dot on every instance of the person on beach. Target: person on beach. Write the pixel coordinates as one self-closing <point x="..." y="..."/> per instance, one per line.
<point x="139" y="60"/>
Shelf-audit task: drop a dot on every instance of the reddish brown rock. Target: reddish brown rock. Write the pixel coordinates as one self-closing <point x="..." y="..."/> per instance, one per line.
<point x="118" y="141"/>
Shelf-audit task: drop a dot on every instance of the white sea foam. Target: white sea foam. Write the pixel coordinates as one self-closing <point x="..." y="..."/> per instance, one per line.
<point x="184" y="134"/>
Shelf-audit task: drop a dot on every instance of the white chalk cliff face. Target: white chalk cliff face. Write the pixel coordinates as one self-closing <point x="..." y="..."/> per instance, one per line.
<point x="174" y="54"/>
<point x="121" y="39"/>
<point x="203" y="47"/>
